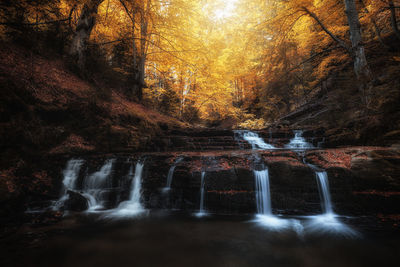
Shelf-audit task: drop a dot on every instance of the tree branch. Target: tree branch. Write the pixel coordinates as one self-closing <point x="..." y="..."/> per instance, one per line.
<point x="325" y="29"/>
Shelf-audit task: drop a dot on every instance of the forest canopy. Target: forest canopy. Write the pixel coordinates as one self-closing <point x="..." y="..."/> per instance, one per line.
<point x="250" y="60"/>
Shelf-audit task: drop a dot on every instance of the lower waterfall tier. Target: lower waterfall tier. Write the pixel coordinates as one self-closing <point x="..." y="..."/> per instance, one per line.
<point x="362" y="180"/>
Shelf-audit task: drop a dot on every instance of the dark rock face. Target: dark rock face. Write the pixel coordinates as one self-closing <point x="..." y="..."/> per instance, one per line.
<point x="362" y="180"/>
<point x="75" y="202"/>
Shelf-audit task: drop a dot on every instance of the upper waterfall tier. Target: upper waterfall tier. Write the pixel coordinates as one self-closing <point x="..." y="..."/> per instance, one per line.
<point x="212" y="140"/>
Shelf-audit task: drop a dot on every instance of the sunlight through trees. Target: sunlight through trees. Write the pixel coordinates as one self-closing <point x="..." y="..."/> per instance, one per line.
<point x="217" y="59"/>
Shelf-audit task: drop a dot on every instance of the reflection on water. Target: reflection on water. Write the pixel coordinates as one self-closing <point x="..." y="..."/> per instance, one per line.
<point x="329" y="223"/>
<point x="181" y="240"/>
<point x="324" y="224"/>
<point x="275" y="223"/>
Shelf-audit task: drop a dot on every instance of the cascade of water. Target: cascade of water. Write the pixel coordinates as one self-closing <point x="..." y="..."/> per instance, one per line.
<point x="253" y="139"/>
<point x="95" y="184"/>
<point x="202" y="211"/>
<point x="133" y="206"/>
<point x="171" y="174"/>
<point x="327" y="222"/>
<point x="299" y="142"/>
<point x="71" y="174"/>
<point x="322" y="178"/>
<point x="264" y="216"/>
<point x="263" y="196"/>
<point x="323" y="187"/>
<point x="98" y="179"/>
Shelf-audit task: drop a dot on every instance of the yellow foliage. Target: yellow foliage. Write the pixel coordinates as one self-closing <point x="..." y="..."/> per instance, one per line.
<point x="223" y="58"/>
<point x="253" y="124"/>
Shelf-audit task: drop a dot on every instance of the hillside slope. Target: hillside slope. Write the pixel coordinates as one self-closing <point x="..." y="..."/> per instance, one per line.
<point x="336" y="107"/>
<point x="46" y="110"/>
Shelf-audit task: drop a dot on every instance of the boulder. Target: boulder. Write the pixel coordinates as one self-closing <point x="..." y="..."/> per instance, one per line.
<point x="76" y="202"/>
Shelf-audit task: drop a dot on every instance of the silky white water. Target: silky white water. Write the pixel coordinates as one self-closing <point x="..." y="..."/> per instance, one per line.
<point x="263" y="194"/>
<point x="96" y="184"/>
<point x="171" y="174"/>
<point x="202" y="211"/>
<point x="253" y="139"/>
<point x="70" y="174"/>
<point x="132" y="207"/>
<point x="299" y="142"/>
<point x="328" y="221"/>
<point x="264" y="217"/>
<point x="98" y="179"/>
<point x="326" y="203"/>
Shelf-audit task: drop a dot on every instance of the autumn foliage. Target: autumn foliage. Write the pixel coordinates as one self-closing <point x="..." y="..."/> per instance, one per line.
<point x="249" y="60"/>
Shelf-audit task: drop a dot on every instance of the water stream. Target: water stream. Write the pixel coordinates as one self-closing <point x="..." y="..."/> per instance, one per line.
<point x="132" y="207"/>
<point x="263" y="195"/>
<point x="202" y="211"/>
<point x="96" y="184"/>
<point x="98" y="188"/>
<point x="253" y="139"/>
<point x="70" y="174"/>
<point x="326" y="203"/>
<point x="171" y="174"/>
<point x="298" y="141"/>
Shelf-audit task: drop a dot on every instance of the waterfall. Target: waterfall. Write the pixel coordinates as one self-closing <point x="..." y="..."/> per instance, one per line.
<point x="71" y="174"/>
<point x="298" y="142"/>
<point x="98" y="179"/>
<point x="328" y="221"/>
<point x="264" y="216"/>
<point x="202" y="212"/>
<point x="253" y="139"/>
<point x="263" y="195"/>
<point x="171" y="174"/>
<point x="323" y="187"/>
<point x="322" y="178"/>
<point x="96" y="184"/>
<point x="133" y="206"/>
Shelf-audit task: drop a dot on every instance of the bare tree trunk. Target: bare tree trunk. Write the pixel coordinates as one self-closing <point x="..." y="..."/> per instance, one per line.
<point x="144" y="23"/>
<point x="135" y="67"/>
<point x="86" y="22"/>
<point x="361" y="67"/>
<point x="135" y="71"/>
<point x="393" y="19"/>
<point x="357" y="51"/>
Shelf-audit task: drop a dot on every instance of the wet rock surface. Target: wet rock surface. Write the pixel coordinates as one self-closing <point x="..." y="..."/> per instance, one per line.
<point x="363" y="180"/>
<point x="364" y="185"/>
<point x="75" y="202"/>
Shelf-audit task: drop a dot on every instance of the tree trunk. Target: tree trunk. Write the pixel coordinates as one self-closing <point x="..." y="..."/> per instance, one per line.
<point x="144" y="23"/>
<point x="393" y="19"/>
<point x="361" y="67"/>
<point x="357" y="52"/>
<point x="86" y="22"/>
<point x="135" y="66"/>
